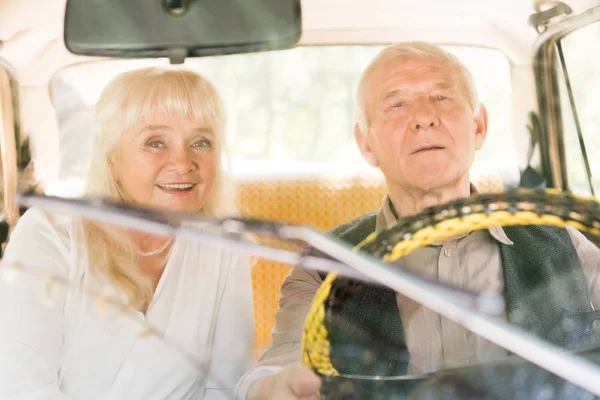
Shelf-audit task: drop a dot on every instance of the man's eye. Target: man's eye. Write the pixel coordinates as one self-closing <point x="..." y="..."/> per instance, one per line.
<point x="440" y="98"/>
<point x="202" y="143"/>
<point x="397" y="105"/>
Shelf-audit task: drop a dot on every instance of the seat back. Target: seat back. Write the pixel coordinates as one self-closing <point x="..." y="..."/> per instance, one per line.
<point x="315" y="202"/>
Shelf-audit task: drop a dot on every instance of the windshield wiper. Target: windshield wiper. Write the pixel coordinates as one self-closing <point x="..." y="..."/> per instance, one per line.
<point x="234" y="233"/>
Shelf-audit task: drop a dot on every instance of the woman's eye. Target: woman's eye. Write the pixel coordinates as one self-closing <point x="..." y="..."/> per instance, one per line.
<point x="440" y="98"/>
<point x="397" y="105"/>
<point x="203" y="143"/>
<point x="155" y="144"/>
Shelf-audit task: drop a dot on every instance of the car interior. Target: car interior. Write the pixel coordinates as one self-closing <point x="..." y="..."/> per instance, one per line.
<point x="287" y="70"/>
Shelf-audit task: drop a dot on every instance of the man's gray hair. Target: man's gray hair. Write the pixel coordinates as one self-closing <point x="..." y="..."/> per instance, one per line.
<point x="405" y="50"/>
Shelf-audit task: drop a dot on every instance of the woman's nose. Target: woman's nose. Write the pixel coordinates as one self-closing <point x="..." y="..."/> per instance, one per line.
<point x="182" y="161"/>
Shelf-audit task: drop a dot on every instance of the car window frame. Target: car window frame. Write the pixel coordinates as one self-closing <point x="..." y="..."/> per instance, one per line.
<point x="547" y="70"/>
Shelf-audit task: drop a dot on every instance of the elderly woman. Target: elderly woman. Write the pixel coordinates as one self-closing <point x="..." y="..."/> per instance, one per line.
<point x="159" y="143"/>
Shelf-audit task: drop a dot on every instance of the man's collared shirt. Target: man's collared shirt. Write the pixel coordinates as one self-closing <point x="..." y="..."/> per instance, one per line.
<point x="469" y="261"/>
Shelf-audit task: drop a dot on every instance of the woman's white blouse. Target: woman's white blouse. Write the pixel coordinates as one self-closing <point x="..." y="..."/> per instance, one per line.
<point x="65" y="345"/>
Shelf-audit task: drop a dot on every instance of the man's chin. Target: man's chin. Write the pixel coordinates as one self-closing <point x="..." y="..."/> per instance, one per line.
<point x="436" y="179"/>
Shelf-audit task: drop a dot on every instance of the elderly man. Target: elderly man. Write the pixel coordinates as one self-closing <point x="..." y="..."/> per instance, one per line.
<point x="419" y="121"/>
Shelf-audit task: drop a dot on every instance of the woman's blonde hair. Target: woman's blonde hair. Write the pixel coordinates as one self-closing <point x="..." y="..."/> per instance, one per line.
<point x="127" y="99"/>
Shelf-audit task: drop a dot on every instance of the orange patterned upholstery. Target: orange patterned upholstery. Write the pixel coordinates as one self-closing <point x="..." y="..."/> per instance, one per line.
<point x="315" y="202"/>
<point x="489" y="183"/>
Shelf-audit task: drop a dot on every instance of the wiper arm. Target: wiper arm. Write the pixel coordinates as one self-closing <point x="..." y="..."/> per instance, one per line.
<point x="233" y="231"/>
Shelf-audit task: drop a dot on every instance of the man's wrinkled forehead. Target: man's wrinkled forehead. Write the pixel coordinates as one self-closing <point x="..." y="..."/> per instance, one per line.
<point x="402" y="69"/>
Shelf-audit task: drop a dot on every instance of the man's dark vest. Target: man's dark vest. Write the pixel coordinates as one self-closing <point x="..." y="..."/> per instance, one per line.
<point x="544" y="288"/>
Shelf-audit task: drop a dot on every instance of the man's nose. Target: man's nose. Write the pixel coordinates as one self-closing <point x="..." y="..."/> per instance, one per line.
<point x="182" y="161"/>
<point x="424" y="117"/>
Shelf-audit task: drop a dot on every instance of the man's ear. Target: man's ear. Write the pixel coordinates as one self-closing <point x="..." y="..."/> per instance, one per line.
<point x="362" y="141"/>
<point x="481" y="121"/>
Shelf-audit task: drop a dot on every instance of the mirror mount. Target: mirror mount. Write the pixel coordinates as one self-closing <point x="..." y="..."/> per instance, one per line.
<point x="177" y="56"/>
<point x="176" y="8"/>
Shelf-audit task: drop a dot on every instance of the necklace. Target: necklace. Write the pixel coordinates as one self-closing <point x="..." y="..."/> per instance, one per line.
<point x="157" y="251"/>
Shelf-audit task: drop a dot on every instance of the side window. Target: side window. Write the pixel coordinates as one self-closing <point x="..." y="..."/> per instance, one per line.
<point x="579" y="80"/>
<point x="8" y="156"/>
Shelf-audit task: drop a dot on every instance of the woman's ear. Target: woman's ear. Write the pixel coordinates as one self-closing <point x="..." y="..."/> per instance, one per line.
<point x="362" y="141"/>
<point x="112" y="169"/>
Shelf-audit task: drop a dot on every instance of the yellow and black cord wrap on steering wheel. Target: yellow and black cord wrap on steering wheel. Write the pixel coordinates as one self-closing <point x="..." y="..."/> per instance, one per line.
<point x="515" y="207"/>
<point x="315" y="334"/>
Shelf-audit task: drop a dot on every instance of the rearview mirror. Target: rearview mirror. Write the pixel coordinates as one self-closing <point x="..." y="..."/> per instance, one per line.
<point x="180" y="28"/>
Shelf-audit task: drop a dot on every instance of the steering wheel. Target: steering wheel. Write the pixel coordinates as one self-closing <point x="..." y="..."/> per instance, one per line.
<point x="482" y="211"/>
